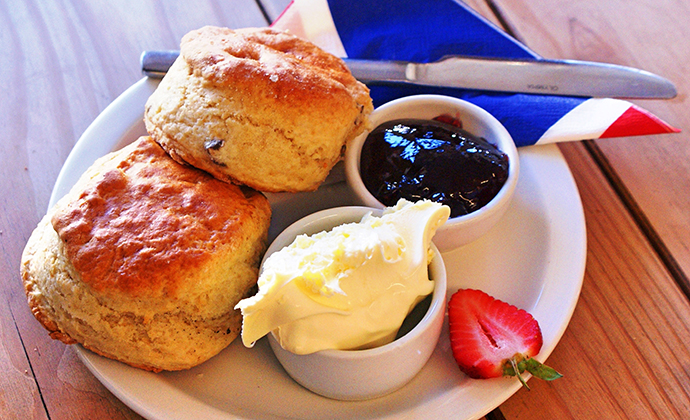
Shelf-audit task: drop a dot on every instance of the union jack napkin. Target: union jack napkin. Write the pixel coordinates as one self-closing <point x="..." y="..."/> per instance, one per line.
<point x="425" y="31"/>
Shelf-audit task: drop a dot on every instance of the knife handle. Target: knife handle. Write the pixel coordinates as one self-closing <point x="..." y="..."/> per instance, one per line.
<point x="155" y="64"/>
<point x="379" y="71"/>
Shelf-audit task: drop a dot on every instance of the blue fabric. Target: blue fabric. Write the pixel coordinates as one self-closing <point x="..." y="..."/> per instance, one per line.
<point x="426" y="30"/>
<point x="419" y="30"/>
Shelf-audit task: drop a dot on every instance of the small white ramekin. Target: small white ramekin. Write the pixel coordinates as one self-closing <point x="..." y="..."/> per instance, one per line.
<point x="461" y="230"/>
<point x="371" y="373"/>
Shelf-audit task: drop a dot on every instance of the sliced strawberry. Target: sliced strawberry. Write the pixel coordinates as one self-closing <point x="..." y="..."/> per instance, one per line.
<point x="491" y="338"/>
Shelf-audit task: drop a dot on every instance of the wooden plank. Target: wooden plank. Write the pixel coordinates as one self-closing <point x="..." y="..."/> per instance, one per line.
<point x="624" y="354"/>
<point x="20" y="397"/>
<point x="620" y="333"/>
<point x="630" y="324"/>
<point x="655" y="170"/>
<point x="619" y="325"/>
<point x="65" y="61"/>
<point x="19" y="394"/>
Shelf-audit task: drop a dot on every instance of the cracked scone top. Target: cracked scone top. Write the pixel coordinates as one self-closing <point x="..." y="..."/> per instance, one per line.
<point x="257" y="107"/>
<point x="144" y="260"/>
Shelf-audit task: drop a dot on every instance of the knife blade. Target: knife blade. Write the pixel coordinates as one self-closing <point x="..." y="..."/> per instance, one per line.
<point x="539" y="76"/>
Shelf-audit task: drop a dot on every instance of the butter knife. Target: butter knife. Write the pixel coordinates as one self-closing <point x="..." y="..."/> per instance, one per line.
<point x="539" y="76"/>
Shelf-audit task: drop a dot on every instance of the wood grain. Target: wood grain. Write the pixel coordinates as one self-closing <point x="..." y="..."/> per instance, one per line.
<point x="63" y="63"/>
<point x="628" y="327"/>
<point x="625" y="352"/>
<point x="655" y="170"/>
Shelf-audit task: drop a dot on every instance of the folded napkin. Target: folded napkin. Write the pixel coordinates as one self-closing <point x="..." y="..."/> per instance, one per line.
<point x="425" y="31"/>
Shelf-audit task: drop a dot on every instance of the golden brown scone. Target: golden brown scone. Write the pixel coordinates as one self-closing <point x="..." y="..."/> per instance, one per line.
<point x="144" y="260"/>
<point x="257" y="107"/>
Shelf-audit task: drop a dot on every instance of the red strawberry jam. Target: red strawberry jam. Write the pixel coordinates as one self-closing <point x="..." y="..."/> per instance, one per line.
<point x="429" y="159"/>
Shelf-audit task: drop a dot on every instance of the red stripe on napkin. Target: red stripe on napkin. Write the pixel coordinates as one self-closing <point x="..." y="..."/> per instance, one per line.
<point x="636" y="121"/>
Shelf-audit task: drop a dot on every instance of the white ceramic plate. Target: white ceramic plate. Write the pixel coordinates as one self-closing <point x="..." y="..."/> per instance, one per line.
<point x="534" y="258"/>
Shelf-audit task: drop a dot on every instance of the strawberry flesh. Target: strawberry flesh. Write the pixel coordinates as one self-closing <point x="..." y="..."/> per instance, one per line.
<point x="486" y="333"/>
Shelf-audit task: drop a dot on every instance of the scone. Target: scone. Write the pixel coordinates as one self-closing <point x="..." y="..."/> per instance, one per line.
<point x="257" y="107"/>
<point x="144" y="260"/>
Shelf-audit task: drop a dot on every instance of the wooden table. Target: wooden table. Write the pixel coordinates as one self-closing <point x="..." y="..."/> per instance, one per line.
<point x="626" y="352"/>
